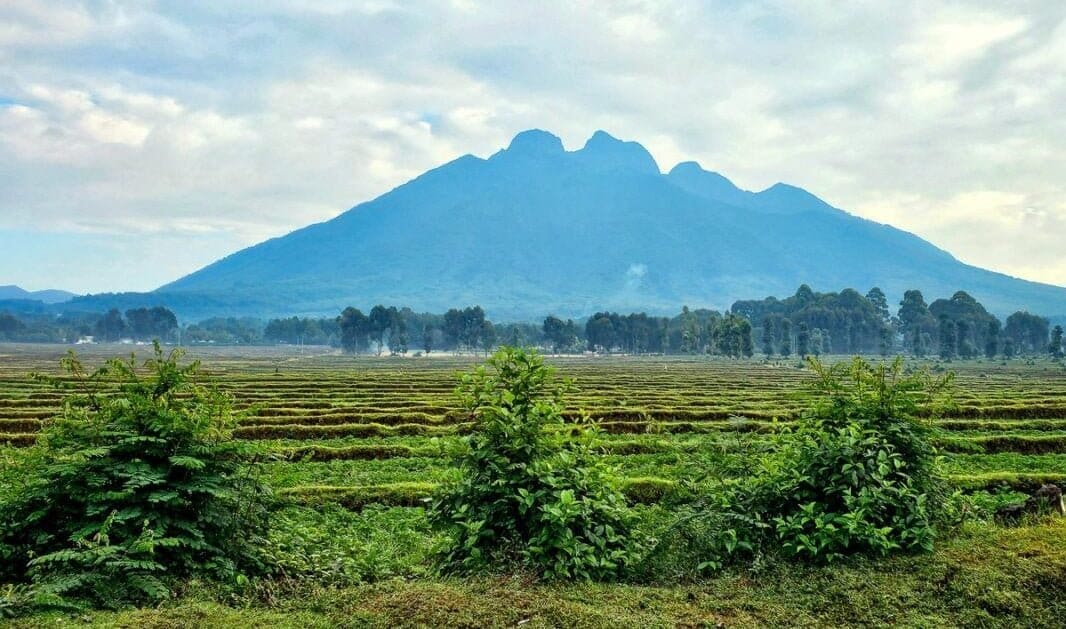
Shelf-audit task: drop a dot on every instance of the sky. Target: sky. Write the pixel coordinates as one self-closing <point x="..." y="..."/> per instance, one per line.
<point x="142" y="140"/>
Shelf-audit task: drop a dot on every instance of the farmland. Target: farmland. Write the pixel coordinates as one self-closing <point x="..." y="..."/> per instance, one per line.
<point x="352" y="445"/>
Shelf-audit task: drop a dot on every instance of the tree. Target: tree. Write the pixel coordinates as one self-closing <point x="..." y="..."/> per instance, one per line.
<point x="561" y="334"/>
<point x="817" y="342"/>
<point x="387" y="327"/>
<point x="804" y="294"/>
<point x="768" y="338"/>
<point x="965" y="347"/>
<point x="453" y="327"/>
<point x="880" y="303"/>
<point x="732" y="337"/>
<point x="398" y="333"/>
<point x="885" y="347"/>
<point x="853" y="321"/>
<point x="747" y="347"/>
<point x="970" y="318"/>
<point x="821" y="342"/>
<point x="10" y="327"/>
<point x="487" y="336"/>
<point x="785" y="337"/>
<point x="473" y="326"/>
<point x="554" y="331"/>
<point x="992" y="338"/>
<point x="948" y="347"/>
<point x="465" y="328"/>
<point x="803" y="341"/>
<point x="355" y="327"/>
<point x="148" y="323"/>
<point x="1028" y="332"/>
<point x="919" y="343"/>
<point x="225" y="330"/>
<point x="427" y="339"/>
<point x="515" y="338"/>
<point x="915" y="321"/>
<point x="1055" y="348"/>
<point x="110" y="327"/>
<point x="600" y="332"/>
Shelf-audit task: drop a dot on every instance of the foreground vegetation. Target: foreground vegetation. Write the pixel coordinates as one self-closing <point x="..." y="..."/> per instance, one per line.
<point x="984" y="577"/>
<point x="352" y="448"/>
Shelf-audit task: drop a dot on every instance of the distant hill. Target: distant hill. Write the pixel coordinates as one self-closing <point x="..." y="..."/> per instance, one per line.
<point x="535" y="229"/>
<point x="50" y="296"/>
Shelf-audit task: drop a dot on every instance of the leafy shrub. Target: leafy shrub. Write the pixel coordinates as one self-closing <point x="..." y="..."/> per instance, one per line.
<point x="138" y="482"/>
<point x="529" y="495"/>
<point x="858" y="475"/>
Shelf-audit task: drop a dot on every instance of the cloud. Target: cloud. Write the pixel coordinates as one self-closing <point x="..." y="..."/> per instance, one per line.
<point x="139" y="120"/>
<point x="635" y="274"/>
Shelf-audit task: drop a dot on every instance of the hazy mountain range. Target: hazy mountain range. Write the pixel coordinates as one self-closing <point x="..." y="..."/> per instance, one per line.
<point x="48" y="296"/>
<point x="535" y="229"/>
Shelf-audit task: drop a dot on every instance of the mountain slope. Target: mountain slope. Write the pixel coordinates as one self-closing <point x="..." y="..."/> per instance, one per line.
<point x="535" y="229"/>
<point x="48" y="296"/>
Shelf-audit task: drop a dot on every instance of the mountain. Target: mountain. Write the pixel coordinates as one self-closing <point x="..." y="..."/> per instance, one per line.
<point x="48" y="296"/>
<point x="536" y="229"/>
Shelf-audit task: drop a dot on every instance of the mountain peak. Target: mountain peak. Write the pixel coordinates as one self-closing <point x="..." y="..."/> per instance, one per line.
<point x="601" y="137"/>
<point x="692" y="177"/>
<point x="783" y="197"/>
<point x="685" y="168"/>
<point x="535" y="142"/>
<point x="603" y="151"/>
<point x="693" y="169"/>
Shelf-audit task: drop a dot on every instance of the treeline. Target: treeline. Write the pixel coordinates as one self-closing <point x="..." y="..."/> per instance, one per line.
<point x="136" y="324"/>
<point x="400" y="330"/>
<point x="160" y="323"/>
<point x="386" y="329"/>
<point x="806" y="323"/>
<point x="850" y="323"/>
<point x="691" y="332"/>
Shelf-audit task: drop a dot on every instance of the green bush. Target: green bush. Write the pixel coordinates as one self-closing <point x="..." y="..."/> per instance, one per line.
<point x="858" y="474"/>
<point x="136" y="484"/>
<point x="530" y="495"/>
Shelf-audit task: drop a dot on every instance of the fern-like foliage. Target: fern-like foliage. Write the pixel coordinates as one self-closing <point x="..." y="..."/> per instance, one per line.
<point x="136" y="484"/>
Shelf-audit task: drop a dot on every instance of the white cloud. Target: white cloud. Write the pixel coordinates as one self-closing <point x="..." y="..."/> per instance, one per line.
<point x="41" y="23"/>
<point x="956" y="36"/>
<point x="136" y="119"/>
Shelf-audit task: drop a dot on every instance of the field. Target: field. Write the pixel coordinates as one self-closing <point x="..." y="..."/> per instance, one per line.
<point x="353" y="445"/>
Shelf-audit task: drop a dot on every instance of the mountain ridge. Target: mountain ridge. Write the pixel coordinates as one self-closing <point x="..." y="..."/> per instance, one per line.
<point x="535" y="229"/>
<point x="47" y="296"/>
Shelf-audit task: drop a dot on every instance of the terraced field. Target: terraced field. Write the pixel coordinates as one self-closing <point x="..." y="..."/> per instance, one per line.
<point x="378" y="430"/>
<point x="353" y="445"/>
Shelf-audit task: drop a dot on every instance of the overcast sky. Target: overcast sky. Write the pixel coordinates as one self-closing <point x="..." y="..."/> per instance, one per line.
<point x="142" y="140"/>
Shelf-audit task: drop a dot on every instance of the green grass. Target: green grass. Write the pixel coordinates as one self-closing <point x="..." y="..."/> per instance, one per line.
<point x="986" y="577"/>
<point x="353" y="445"/>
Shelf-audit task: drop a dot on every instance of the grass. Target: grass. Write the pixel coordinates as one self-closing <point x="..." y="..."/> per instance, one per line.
<point x="353" y="445"/>
<point x="985" y="577"/>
